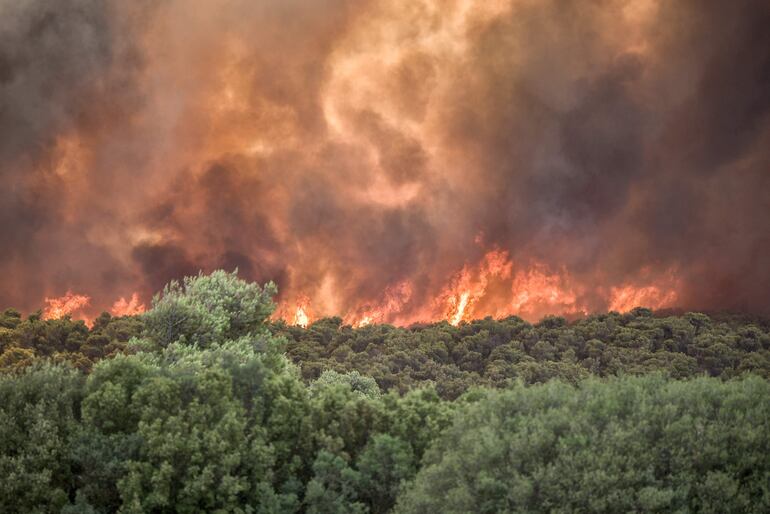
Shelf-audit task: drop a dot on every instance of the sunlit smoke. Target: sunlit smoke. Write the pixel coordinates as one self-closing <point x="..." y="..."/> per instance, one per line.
<point x="389" y="162"/>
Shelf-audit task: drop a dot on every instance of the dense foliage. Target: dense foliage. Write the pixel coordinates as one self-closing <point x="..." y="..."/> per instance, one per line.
<point x="494" y="353"/>
<point x="632" y="445"/>
<point x="202" y="405"/>
<point x="498" y="353"/>
<point x="25" y="341"/>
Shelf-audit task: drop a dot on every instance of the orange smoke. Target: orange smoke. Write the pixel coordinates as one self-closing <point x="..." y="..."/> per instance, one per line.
<point x="388" y="162"/>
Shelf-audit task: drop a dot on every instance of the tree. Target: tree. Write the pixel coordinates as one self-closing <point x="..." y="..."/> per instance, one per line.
<point x="333" y="489"/>
<point x="208" y="308"/>
<point x="625" y="445"/>
<point x="385" y="466"/>
<point x="365" y="386"/>
<point x="37" y="422"/>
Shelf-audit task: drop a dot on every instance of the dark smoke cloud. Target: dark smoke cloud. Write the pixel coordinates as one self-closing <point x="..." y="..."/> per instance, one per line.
<point x="342" y="148"/>
<point x="57" y="59"/>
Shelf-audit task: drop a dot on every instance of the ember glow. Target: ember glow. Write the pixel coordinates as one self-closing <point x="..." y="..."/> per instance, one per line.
<point x="388" y="161"/>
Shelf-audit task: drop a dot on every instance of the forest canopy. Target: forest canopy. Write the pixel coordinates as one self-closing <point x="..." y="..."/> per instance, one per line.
<point x="203" y="404"/>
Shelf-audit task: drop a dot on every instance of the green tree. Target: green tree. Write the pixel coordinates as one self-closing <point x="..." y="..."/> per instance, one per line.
<point x="625" y="445"/>
<point x="207" y="309"/>
<point x="363" y="385"/>
<point x="384" y="466"/>
<point x="333" y="488"/>
<point x="38" y="410"/>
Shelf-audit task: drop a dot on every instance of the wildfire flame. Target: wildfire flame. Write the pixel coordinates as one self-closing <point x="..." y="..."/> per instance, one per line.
<point x="71" y="304"/>
<point x="395" y="298"/>
<point x="301" y="315"/>
<point x="536" y="291"/>
<point x="497" y="287"/>
<point x="130" y="307"/>
<point x="625" y="298"/>
<point x="65" y="305"/>
<point x="470" y="285"/>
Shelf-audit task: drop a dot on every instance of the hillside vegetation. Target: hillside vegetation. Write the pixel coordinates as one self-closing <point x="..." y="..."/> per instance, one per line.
<point x="203" y="405"/>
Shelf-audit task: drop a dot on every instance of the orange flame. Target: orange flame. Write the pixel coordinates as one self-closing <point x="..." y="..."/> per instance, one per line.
<point x="537" y="292"/>
<point x="625" y="298"/>
<point x="131" y="307"/>
<point x="395" y="298"/>
<point x="469" y="286"/>
<point x="302" y="312"/>
<point x="65" y="305"/>
<point x="300" y="317"/>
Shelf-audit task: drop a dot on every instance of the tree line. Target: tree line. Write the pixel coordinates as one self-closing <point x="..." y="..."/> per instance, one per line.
<point x="487" y="352"/>
<point x="498" y="353"/>
<point x="204" y="405"/>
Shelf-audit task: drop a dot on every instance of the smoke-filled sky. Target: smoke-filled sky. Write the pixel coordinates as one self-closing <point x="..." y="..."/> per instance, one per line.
<point x="389" y="160"/>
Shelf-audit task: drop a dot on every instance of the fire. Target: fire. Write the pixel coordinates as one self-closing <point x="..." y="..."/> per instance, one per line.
<point x="458" y="306"/>
<point x="499" y="287"/>
<point x="301" y="318"/>
<point x="538" y="292"/>
<point x="394" y="301"/>
<point x="494" y="289"/>
<point x="495" y="286"/>
<point x="470" y="285"/>
<point x="295" y="313"/>
<point x="302" y="312"/>
<point x="625" y="298"/>
<point x="131" y="307"/>
<point x="65" y="305"/>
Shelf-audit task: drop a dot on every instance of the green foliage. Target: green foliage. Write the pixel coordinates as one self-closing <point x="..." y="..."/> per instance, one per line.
<point x="384" y="467"/>
<point x="38" y="411"/>
<point x="201" y="417"/>
<point x="10" y="318"/>
<point x="194" y="407"/>
<point x="208" y="308"/>
<point x="625" y="445"/>
<point x="498" y="353"/>
<point x="24" y="342"/>
<point x="365" y="386"/>
<point x="333" y="489"/>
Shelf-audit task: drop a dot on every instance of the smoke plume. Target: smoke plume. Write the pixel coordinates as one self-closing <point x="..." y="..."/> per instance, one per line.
<point x="389" y="161"/>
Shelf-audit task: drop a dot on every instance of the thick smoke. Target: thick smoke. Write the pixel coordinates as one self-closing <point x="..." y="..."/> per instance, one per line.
<point x="361" y="151"/>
